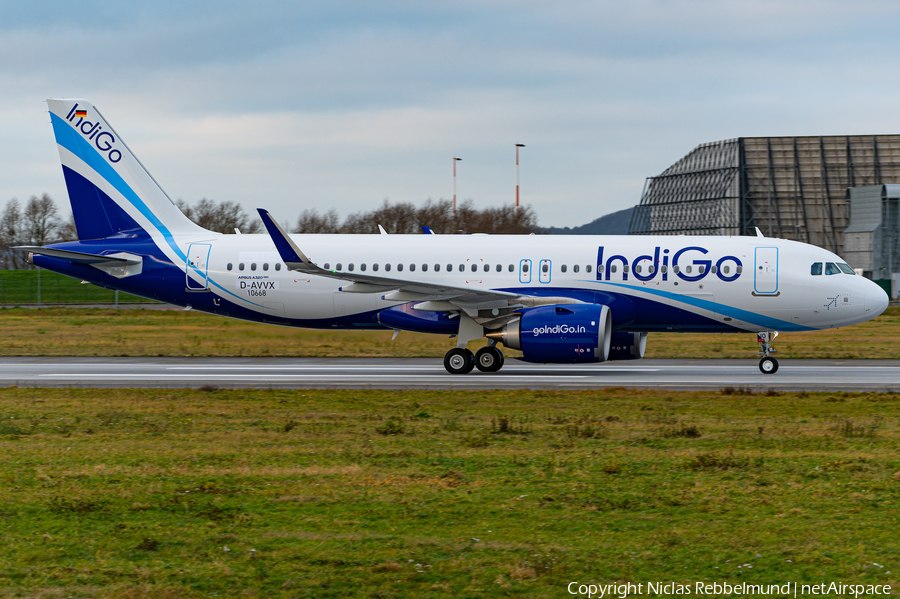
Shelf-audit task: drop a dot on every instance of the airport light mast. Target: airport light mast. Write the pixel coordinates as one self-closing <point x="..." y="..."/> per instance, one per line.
<point x="455" y="160"/>
<point x="517" y="174"/>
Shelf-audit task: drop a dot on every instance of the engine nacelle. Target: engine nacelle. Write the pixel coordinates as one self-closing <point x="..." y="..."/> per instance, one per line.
<point x="628" y="346"/>
<point x="560" y="334"/>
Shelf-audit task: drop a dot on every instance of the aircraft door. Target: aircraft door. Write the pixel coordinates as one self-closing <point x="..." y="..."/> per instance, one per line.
<point x="765" y="272"/>
<point x="525" y="271"/>
<point x="546" y="271"/>
<point x="196" y="269"/>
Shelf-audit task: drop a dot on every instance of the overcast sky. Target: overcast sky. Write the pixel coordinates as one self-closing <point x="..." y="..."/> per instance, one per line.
<point x="293" y="105"/>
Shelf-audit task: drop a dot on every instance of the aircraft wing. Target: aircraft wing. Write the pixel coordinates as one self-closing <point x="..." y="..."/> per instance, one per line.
<point x="435" y="296"/>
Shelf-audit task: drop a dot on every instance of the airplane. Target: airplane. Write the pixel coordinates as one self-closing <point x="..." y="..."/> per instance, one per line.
<point x="557" y="299"/>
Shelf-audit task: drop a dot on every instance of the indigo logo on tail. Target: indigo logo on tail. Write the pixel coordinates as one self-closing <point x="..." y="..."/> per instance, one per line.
<point x="103" y="140"/>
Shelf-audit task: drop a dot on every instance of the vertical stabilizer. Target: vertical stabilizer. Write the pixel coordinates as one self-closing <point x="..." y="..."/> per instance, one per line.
<point x="110" y="190"/>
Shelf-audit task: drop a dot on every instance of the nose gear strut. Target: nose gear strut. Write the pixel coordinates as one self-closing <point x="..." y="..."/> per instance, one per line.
<point x="768" y="364"/>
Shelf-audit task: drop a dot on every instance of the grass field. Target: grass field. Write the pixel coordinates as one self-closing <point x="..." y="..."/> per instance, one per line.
<point x="21" y="287"/>
<point x="95" y="332"/>
<point x="163" y="494"/>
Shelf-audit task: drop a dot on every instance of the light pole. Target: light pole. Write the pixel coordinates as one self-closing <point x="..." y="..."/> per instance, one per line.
<point x="455" y="160"/>
<point x="517" y="174"/>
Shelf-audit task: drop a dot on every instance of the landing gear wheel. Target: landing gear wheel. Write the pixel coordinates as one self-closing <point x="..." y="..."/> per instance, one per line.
<point x="489" y="359"/>
<point x="768" y="365"/>
<point x="459" y="361"/>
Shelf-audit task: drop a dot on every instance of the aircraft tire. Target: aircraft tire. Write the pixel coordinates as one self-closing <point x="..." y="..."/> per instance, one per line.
<point x="489" y="359"/>
<point x="768" y="365"/>
<point x="459" y="361"/>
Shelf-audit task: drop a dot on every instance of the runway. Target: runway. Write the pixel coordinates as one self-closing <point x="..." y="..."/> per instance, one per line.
<point x="429" y="373"/>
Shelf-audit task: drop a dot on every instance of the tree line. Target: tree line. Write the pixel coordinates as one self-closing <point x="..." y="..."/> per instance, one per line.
<point x="38" y="222"/>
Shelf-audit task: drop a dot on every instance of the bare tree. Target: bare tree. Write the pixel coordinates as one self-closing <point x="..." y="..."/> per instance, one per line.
<point x="40" y="222"/>
<point x="311" y="221"/>
<point x="67" y="230"/>
<point x="223" y="217"/>
<point x="10" y="230"/>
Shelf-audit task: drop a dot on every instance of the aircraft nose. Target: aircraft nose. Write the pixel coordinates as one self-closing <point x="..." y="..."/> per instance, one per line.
<point x="876" y="299"/>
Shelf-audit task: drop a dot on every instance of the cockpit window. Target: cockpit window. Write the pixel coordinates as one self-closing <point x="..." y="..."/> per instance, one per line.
<point x="816" y="268"/>
<point x="832" y="269"/>
<point x="845" y="268"/>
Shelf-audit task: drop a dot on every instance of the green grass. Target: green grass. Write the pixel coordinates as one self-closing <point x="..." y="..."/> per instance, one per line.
<point x="21" y="287"/>
<point x="100" y="332"/>
<point x="137" y="493"/>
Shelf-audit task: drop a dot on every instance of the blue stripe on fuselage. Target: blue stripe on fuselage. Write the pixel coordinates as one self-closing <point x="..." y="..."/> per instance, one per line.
<point x="767" y="322"/>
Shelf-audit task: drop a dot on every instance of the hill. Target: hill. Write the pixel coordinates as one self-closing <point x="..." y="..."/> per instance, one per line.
<point x="611" y="224"/>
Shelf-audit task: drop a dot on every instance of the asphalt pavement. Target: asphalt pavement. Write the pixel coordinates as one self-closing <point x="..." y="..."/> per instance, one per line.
<point x="429" y="373"/>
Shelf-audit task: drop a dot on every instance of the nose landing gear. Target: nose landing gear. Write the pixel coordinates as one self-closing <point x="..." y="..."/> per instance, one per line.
<point x="767" y="364"/>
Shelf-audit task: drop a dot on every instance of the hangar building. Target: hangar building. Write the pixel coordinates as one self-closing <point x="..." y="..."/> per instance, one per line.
<point x="789" y="187"/>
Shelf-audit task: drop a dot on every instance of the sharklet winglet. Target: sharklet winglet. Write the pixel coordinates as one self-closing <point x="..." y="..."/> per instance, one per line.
<point x="292" y="255"/>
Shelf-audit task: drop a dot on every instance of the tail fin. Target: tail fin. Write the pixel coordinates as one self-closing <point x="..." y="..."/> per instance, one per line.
<point x="109" y="189"/>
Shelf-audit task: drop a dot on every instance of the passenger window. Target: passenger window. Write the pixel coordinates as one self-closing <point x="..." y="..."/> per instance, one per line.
<point x="701" y="269"/>
<point x="350" y="267"/>
<point x="462" y="267"/>
<point x="400" y="267"/>
<point x="449" y="268"/>
<point x="511" y="268"/>
<point x="278" y="266"/>
<point x="253" y="266"/>
<point x="562" y="268"/>
<point x="816" y="268"/>
<point x="525" y="267"/>
<point x="229" y="266"/>
<point x="845" y="268"/>
<point x="387" y="267"/>
<point x="637" y="268"/>
<point x="487" y="268"/>
<point x="688" y="268"/>
<point x="424" y="267"/>
<point x="832" y="269"/>
<point x="327" y="266"/>
<point x="666" y="269"/>
<point x="651" y="269"/>
<point x="740" y="269"/>
<point x="714" y="269"/>
<point x="474" y="267"/>
<point x="625" y="268"/>
<point x="362" y="267"/>
<point x="725" y="269"/>
<point x="612" y="268"/>
<point x="498" y="268"/>
<point x="675" y="268"/>
<point x="575" y="268"/>
<point x="545" y="267"/>
<point x="588" y="268"/>
<point x="265" y="266"/>
<point x="337" y="266"/>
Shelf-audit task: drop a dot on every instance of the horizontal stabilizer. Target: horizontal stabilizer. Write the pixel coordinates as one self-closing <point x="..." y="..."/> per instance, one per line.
<point x="79" y="257"/>
<point x="119" y="265"/>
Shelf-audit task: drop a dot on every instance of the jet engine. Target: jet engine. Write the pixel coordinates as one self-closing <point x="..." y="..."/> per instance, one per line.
<point x="628" y="346"/>
<point x="560" y="334"/>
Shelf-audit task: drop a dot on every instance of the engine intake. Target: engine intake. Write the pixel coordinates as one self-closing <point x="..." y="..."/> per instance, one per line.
<point x="560" y="334"/>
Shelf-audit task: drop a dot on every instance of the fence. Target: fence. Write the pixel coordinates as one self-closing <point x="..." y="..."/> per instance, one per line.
<point x="45" y="287"/>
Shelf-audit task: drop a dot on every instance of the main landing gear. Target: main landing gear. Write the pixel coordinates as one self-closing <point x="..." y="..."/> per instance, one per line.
<point x="459" y="360"/>
<point x="768" y="364"/>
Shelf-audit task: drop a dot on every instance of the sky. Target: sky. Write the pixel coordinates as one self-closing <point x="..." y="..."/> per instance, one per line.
<point x="342" y="104"/>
